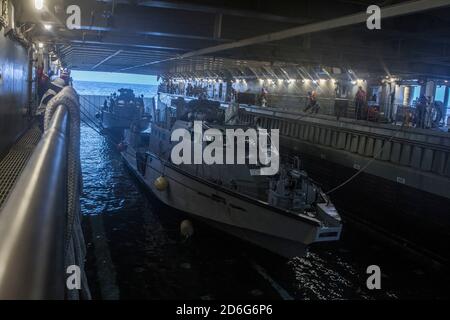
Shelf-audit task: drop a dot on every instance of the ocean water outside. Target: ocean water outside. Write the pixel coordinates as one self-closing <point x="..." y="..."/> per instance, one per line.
<point x="87" y="88"/>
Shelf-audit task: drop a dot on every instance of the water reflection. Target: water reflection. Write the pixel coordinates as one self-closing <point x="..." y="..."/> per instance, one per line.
<point x="152" y="262"/>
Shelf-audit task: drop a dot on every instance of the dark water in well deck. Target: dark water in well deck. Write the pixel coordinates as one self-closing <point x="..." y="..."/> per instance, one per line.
<point x="135" y="251"/>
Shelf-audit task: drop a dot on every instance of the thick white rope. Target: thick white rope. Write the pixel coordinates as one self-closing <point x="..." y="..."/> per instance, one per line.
<point x="75" y="249"/>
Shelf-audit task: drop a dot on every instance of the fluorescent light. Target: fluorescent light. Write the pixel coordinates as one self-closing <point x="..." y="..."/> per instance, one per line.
<point x="39" y="4"/>
<point x="47" y="26"/>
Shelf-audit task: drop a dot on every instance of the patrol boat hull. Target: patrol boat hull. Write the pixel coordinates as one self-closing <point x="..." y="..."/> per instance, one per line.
<point x="281" y="232"/>
<point x="112" y="121"/>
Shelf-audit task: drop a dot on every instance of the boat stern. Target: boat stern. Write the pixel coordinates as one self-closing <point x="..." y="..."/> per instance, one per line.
<point x="331" y="223"/>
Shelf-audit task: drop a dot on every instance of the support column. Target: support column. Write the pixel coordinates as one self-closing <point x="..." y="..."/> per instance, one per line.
<point x="430" y="90"/>
<point x="229" y="85"/>
<point x="46" y="60"/>
<point x="384" y="99"/>
<point x="446" y="101"/>
<point x="407" y="94"/>
<point x="422" y="90"/>
<point x="31" y="83"/>
<point x="446" y="96"/>
<point x="218" y="26"/>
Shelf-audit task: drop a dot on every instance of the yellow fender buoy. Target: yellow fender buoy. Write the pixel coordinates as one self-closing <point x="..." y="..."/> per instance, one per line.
<point x="186" y="229"/>
<point x="161" y="184"/>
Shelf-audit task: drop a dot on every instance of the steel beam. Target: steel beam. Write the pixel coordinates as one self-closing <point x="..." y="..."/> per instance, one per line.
<point x="215" y="10"/>
<point x="153" y="33"/>
<point x="407" y="8"/>
<point x="130" y="45"/>
<point x="387" y="12"/>
<point x="107" y="59"/>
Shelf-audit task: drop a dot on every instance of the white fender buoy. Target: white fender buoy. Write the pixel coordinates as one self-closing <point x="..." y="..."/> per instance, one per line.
<point x="161" y="184"/>
<point x="186" y="229"/>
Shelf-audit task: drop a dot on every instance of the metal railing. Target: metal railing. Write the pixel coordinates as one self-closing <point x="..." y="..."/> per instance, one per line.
<point x="33" y="220"/>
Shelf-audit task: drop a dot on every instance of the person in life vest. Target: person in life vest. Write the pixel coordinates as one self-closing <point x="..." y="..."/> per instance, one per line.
<point x="312" y="103"/>
<point x="53" y="89"/>
<point x="360" y="102"/>
<point x="421" y="109"/>
<point x="65" y="75"/>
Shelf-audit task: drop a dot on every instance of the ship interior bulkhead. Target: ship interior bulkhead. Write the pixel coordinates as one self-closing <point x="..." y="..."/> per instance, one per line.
<point x="359" y="97"/>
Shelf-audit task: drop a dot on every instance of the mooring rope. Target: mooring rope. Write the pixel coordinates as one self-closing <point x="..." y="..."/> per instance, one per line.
<point x="367" y="165"/>
<point x="75" y="248"/>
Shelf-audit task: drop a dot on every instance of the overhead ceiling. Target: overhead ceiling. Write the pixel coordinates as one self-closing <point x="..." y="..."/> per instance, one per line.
<point x="151" y="37"/>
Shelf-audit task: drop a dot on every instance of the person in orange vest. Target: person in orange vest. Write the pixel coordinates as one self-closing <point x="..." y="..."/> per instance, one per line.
<point x="360" y="102"/>
<point x="263" y="97"/>
<point x="312" y="103"/>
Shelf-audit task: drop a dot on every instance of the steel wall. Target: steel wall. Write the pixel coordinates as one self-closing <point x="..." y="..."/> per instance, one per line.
<point x="13" y="91"/>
